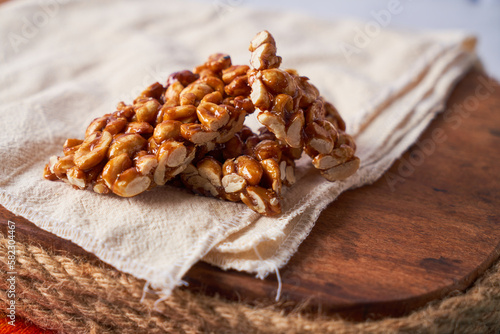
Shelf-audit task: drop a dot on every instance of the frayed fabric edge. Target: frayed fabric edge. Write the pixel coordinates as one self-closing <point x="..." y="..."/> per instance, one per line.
<point x="162" y="282"/>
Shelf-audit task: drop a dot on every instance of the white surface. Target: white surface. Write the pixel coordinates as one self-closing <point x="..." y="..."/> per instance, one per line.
<point x="482" y="18"/>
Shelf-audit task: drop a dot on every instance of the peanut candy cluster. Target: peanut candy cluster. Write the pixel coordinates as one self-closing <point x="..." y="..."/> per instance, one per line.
<point x="191" y="132"/>
<point x="251" y="168"/>
<point x="290" y="107"/>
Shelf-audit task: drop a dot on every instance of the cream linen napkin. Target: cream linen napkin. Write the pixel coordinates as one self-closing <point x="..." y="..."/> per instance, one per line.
<point x="64" y="63"/>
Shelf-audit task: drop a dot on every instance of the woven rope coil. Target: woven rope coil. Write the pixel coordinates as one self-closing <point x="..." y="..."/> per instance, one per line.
<point x="70" y="295"/>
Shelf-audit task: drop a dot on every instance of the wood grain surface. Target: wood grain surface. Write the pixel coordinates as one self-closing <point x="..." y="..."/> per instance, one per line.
<point x="429" y="226"/>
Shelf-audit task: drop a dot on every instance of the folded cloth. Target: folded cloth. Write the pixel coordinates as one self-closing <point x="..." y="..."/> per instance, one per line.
<point x="66" y="63"/>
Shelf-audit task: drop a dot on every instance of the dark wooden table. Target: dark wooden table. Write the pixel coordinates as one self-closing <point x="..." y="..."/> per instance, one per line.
<point x="429" y="226"/>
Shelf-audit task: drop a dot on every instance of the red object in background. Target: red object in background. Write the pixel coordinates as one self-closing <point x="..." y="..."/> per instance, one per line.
<point x="21" y="327"/>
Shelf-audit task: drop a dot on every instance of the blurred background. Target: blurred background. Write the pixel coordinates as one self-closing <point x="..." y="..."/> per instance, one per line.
<point x="479" y="17"/>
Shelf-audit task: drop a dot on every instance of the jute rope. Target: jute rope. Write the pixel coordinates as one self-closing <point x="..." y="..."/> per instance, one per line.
<point x="70" y="295"/>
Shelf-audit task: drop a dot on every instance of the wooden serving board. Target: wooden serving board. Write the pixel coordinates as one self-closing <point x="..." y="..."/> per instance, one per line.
<point x="429" y="226"/>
